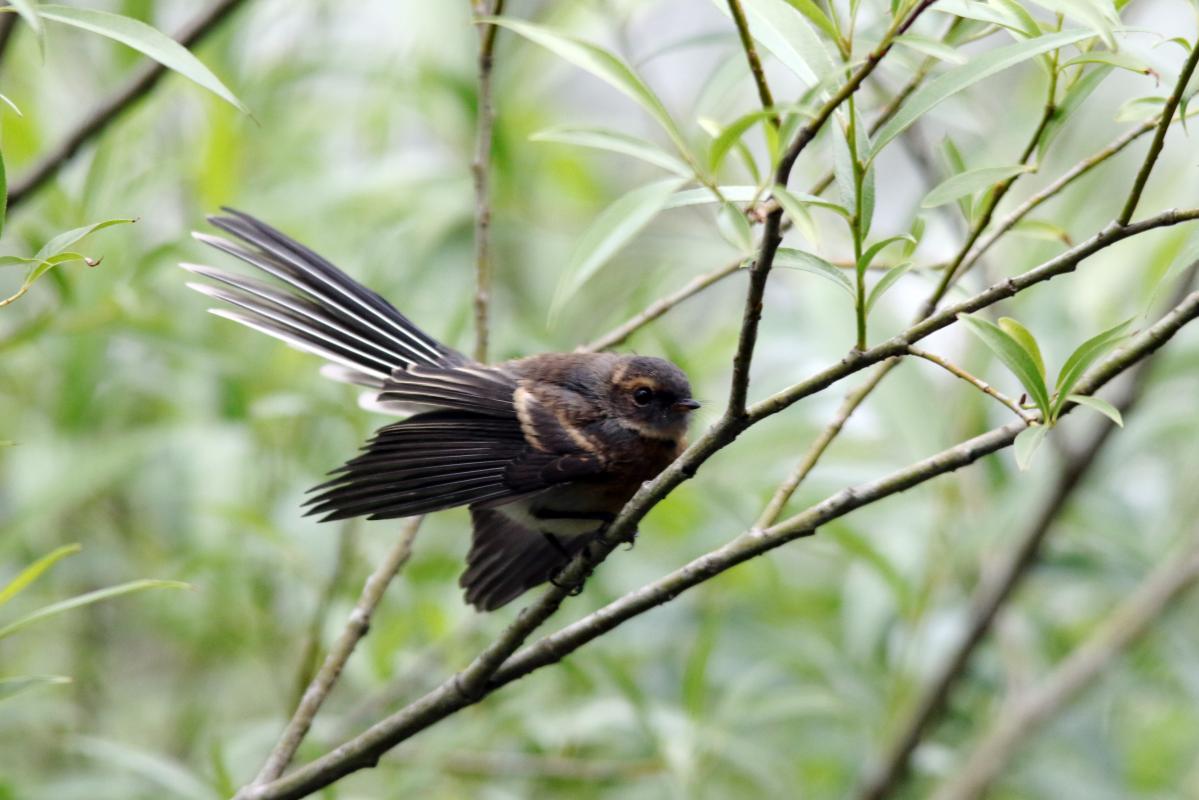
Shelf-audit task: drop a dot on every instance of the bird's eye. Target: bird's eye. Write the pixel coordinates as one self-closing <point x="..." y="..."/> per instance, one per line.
<point x="642" y="396"/>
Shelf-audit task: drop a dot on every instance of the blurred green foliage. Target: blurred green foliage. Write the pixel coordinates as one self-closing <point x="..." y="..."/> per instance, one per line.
<point x="175" y="445"/>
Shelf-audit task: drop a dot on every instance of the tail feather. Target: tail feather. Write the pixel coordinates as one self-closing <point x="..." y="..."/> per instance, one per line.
<point x="316" y="307"/>
<point x="507" y="559"/>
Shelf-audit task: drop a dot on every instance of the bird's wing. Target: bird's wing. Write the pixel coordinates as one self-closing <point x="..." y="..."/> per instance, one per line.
<point x="313" y="306"/>
<point x="454" y="458"/>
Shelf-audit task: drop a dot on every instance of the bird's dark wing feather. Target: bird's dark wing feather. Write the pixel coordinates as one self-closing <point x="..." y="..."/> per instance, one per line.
<point x="315" y="306"/>
<point x="472" y="388"/>
<point x="507" y="559"/>
<point x="446" y="459"/>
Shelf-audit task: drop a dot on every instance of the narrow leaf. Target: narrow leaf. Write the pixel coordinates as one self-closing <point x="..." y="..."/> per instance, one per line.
<point x="616" y="142"/>
<point x="790" y="201"/>
<point x="11" y="687"/>
<point x="3" y="192"/>
<point x="68" y="238"/>
<point x="816" y="17"/>
<point x="1099" y="404"/>
<point x="1014" y="356"/>
<point x="1026" y="444"/>
<point x="734" y="227"/>
<point x="143" y="38"/>
<point x="732" y="133"/>
<point x="784" y="31"/>
<point x="875" y="249"/>
<point x="790" y="258"/>
<point x="1025" y="339"/>
<point x="969" y="182"/>
<point x="29" y="13"/>
<point x="1121" y="60"/>
<point x="87" y="599"/>
<point x="957" y="79"/>
<point x="699" y="197"/>
<point x="612" y="229"/>
<point x="931" y="47"/>
<point x="603" y="65"/>
<point x="34" y="571"/>
<point x="1084" y="356"/>
<point x="886" y="282"/>
<point x="1043" y="230"/>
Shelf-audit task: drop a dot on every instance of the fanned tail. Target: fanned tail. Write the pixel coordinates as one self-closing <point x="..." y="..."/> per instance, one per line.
<point x="314" y="306"/>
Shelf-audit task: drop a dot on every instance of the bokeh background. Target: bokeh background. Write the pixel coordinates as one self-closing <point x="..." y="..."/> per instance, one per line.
<point x="173" y="444"/>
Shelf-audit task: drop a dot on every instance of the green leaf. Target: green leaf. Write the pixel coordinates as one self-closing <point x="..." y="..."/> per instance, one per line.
<point x="969" y="182"/>
<point x="1043" y="230"/>
<point x="957" y="164"/>
<point x="699" y="197"/>
<point x="143" y="38"/>
<point x="603" y="65"/>
<point x="783" y="30"/>
<point x="1028" y="24"/>
<point x="790" y="258"/>
<point x="612" y="229"/>
<point x="1015" y="357"/>
<point x="616" y="142"/>
<point x="11" y="687"/>
<point x="931" y="47"/>
<point x="872" y="252"/>
<point x="1025" y="339"/>
<point x="1099" y="16"/>
<point x="1140" y="109"/>
<point x="731" y="134"/>
<point x="8" y="102"/>
<point x="816" y="17"/>
<point x="87" y="599"/>
<point x="29" y="13"/>
<point x="981" y="12"/>
<point x="1026" y="444"/>
<point x="3" y="192"/>
<point x="886" y="282"/>
<point x="68" y="238"/>
<point x="1099" y="404"/>
<point x="35" y="570"/>
<point x="792" y="201"/>
<point x="1083" y="357"/>
<point x="734" y="227"/>
<point x="1121" y="60"/>
<point x="957" y="79"/>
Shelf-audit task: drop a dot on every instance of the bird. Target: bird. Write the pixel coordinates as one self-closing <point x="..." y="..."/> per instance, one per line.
<point x="543" y="450"/>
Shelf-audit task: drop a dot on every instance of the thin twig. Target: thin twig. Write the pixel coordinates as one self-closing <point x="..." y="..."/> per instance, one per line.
<point x="481" y="170"/>
<point x="1131" y="620"/>
<point x="356" y="627"/>
<point x="751" y="55"/>
<point x="145" y="79"/>
<point x="974" y="381"/>
<point x="660" y="306"/>
<point x="1159" y="136"/>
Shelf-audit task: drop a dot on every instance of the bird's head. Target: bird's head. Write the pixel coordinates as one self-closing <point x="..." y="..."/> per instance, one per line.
<point x="652" y="396"/>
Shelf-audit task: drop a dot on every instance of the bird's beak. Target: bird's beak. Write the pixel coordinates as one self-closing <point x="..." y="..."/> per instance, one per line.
<point x="686" y="405"/>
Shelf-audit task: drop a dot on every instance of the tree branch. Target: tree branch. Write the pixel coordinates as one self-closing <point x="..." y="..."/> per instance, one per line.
<point x="751" y="55"/>
<point x="977" y="383"/>
<point x="145" y="79"/>
<point x="481" y="171"/>
<point x="1121" y="629"/>
<point x="884" y="778"/>
<point x="1159" y="136"/>
<point x="356" y="627"/>
<point x="494" y="668"/>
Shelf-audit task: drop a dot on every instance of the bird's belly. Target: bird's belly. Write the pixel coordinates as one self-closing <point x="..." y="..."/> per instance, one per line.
<point x="566" y="512"/>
